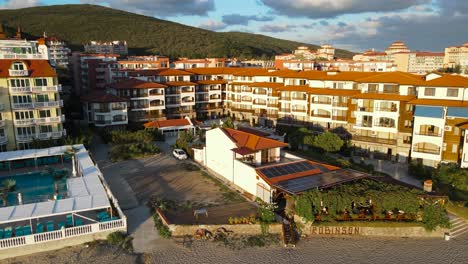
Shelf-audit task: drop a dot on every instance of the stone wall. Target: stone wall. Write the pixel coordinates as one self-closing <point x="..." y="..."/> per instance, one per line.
<point x="241" y="229"/>
<point x="411" y="231"/>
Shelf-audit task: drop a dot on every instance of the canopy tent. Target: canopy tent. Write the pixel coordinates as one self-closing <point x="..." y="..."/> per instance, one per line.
<point x="33" y="153"/>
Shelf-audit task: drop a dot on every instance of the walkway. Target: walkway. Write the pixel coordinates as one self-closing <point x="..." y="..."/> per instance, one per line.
<point x="459" y="226"/>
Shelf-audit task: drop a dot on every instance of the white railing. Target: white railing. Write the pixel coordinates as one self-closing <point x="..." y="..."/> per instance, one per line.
<point x="18" y="72"/>
<point x="49" y="104"/>
<point x="37" y="56"/>
<point x="24" y="122"/>
<point x="120" y="224"/>
<point x="56" y="119"/>
<point x="24" y="137"/>
<point x="25" y="89"/>
<point x="22" y="105"/>
<point x="42" y="89"/>
<point x="48" y="135"/>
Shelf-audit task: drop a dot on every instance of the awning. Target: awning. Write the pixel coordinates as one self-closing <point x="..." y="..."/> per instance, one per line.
<point x="457" y="112"/>
<point x="429" y="111"/>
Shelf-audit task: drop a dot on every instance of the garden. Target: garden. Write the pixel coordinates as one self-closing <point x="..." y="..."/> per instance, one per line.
<point x="370" y="200"/>
<point x="130" y="145"/>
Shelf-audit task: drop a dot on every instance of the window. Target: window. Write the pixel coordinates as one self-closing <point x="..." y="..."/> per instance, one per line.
<point x="19" y="82"/>
<point x="21" y="99"/>
<point x="454" y="148"/>
<point x="40" y="82"/>
<point x="24" y="115"/>
<point x="42" y="98"/>
<point x="452" y="92"/>
<point x="388" y="88"/>
<point x="372" y="88"/>
<point x="302" y="82"/>
<point x="338" y="85"/>
<point x="26" y="130"/>
<point x="45" y="129"/>
<point x="2" y="132"/>
<point x="44" y="113"/>
<point x="408" y="124"/>
<point x="18" y="66"/>
<point x="429" y="91"/>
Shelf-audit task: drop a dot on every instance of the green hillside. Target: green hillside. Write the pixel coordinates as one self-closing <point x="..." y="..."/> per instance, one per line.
<point x="78" y="24"/>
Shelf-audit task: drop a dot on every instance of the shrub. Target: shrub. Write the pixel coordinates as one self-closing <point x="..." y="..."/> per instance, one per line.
<point x="121" y="240"/>
<point x="453" y="175"/>
<point x="328" y="142"/>
<point x="418" y="170"/>
<point x="434" y="215"/>
<point x="163" y="230"/>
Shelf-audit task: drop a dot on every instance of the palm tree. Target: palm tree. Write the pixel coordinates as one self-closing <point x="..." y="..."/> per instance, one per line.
<point x="8" y="186"/>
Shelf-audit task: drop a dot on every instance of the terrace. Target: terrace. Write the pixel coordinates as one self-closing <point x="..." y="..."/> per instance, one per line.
<point x="53" y="194"/>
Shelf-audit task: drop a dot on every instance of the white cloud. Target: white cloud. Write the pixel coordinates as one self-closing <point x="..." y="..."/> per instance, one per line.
<point x="212" y="25"/>
<point x="15" y="4"/>
<point x="162" y="8"/>
<point x="333" y="8"/>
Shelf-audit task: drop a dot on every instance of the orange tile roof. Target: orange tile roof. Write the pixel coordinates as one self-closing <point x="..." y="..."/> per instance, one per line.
<point x="180" y="83"/>
<point x="295" y="88"/>
<point x="329" y="91"/>
<point x="401" y="78"/>
<point x="347" y="76"/>
<point x="240" y="83"/>
<point x="159" y="72"/>
<point x="251" y="141"/>
<point x="36" y="68"/>
<point x="389" y="97"/>
<point x="102" y="97"/>
<point x="438" y="102"/>
<point x="266" y="84"/>
<point x="252" y="72"/>
<point x="135" y="83"/>
<point x="311" y="75"/>
<point x="448" y="80"/>
<point x="212" y="70"/>
<point x="211" y="82"/>
<point x="167" y="123"/>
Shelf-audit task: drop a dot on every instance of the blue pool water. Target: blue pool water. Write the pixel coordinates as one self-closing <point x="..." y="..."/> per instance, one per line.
<point x="34" y="187"/>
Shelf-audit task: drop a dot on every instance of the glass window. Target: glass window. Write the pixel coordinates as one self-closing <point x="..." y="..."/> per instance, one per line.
<point x="40" y="82"/>
<point x="452" y="92"/>
<point x="42" y="97"/>
<point x="429" y="91"/>
<point x="18" y="65"/>
<point x="45" y="129"/>
<point x="44" y="113"/>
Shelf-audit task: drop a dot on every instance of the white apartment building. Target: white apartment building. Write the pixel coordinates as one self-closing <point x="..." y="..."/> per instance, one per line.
<point x="58" y="51"/>
<point x="456" y="55"/>
<point x="107" y="47"/>
<point x="105" y="110"/>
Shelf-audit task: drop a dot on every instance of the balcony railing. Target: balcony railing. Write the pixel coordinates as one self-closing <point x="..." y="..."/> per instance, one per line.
<point x="327" y="102"/>
<point x="320" y="115"/>
<point x="102" y="110"/>
<point x="365" y="109"/>
<point x="18" y="72"/>
<point x="22" y="105"/>
<point x="102" y="122"/>
<point x="42" y="89"/>
<point x="375" y="140"/>
<point x="386" y="109"/>
<point x="297" y="110"/>
<point x="25" y="89"/>
<point x="49" y="104"/>
<point x="365" y="124"/>
<point x="55" y="119"/>
<point x="260" y="93"/>
<point x="430" y="134"/>
<point x="339" y="118"/>
<point x="36" y="56"/>
<point x="24" y="122"/>
<point x="427" y="150"/>
<point x="338" y="104"/>
<point x="387" y="125"/>
<point x="243" y="110"/>
<point x="3" y="139"/>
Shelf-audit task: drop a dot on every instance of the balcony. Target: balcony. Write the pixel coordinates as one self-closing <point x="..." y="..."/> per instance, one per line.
<point x="26" y="89"/>
<point x="386" y="109"/>
<point x="29" y="56"/>
<point x="22" y="106"/>
<point x="49" y="104"/>
<point x="257" y="92"/>
<point x="47" y="89"/>
<point x="102" y="110"/>
<point x="339" y="104"/>
<point x="364" y="124"/>
<point x="119" y="118"/>
<point x="374" y="140"/>
<point x="384" y="124"/>
<point x="2" y="123"/>
<point x="24" y="122"/>
<point x="49" y="135"/>
<point x="24" y="138"/>
<point x="103" y="122"/>
<point x="339" y="118"/>
<point x="365" y="109"/>
<point x="17" y="73"/>
<point x="298" y="110"/>
<point x="427" y="150"/>
<point x="320" y="115"/>
<point x="325" y="102"/>
<point x="245" y="110"/>
<point x="3" y="140"/>
<point x="55" y="119"/>
<point x="429" y="133"/>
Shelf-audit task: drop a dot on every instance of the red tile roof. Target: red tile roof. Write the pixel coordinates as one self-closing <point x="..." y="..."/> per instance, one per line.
<point x="251" y="141"/>
<point x="135" y="83"/>
<point x="180" y="83"/>
<point x="168" y="123"/>
<point x="102" y="97"/>
<point x="211" y="82"/>
<point x="36" y="68"/>
<point x="159" y="72"/>
<point x="448" y="80"/>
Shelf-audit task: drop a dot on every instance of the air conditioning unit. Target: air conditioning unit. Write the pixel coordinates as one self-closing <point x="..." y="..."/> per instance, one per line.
<point x="448" y="128"/>
<point x="374" y="133"/>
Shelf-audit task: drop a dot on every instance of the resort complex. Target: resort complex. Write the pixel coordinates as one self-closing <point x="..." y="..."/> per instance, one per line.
<point x="54" y="194"/>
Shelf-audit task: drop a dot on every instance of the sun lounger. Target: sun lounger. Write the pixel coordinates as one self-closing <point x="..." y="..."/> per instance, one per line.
<point x="50" y="226"/>
<point x="103" y="215"/>
<point x="79" y="222"/>
<point x="8" y="232"/>
<point x="19" y="231"/>
<point x="39" y="228"/>
<point x="26" y="230"/>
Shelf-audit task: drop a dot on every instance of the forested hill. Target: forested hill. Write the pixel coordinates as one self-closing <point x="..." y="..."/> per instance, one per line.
<point x="77" y="24"/>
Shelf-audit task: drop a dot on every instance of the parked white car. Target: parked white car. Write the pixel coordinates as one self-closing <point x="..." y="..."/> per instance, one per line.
<point x="179" y="154"/>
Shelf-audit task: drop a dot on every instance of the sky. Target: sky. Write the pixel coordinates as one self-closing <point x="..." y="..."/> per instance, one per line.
<point x="357" y="25"/>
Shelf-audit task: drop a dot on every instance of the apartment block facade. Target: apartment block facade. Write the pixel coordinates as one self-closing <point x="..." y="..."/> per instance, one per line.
<point x="30" y="103"/>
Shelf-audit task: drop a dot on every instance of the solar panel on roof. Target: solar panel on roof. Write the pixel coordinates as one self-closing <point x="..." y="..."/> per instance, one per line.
<point x="290" y="168"/>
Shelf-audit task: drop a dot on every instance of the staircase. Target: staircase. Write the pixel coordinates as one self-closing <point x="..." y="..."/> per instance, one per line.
<point x="459" y="226"/>
<point x="289" y="234"/>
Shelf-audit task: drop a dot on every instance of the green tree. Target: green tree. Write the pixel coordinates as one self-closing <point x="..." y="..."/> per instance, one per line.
<point x="227" y="123"/>
<point x="328" y="142"/>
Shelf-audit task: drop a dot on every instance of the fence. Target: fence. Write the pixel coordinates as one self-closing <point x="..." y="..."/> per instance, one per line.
<point x="64" y="233"/>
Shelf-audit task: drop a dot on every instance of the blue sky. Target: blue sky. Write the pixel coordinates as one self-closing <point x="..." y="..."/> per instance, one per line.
<point x="352" y="24"/>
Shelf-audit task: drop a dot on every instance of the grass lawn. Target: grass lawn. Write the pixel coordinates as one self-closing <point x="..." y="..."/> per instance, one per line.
<point x="369" y="224"/>
<point x="458" y="209"/>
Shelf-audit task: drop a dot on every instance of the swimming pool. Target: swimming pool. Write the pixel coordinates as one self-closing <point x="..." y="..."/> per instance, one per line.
<point x="34" y="187"/>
